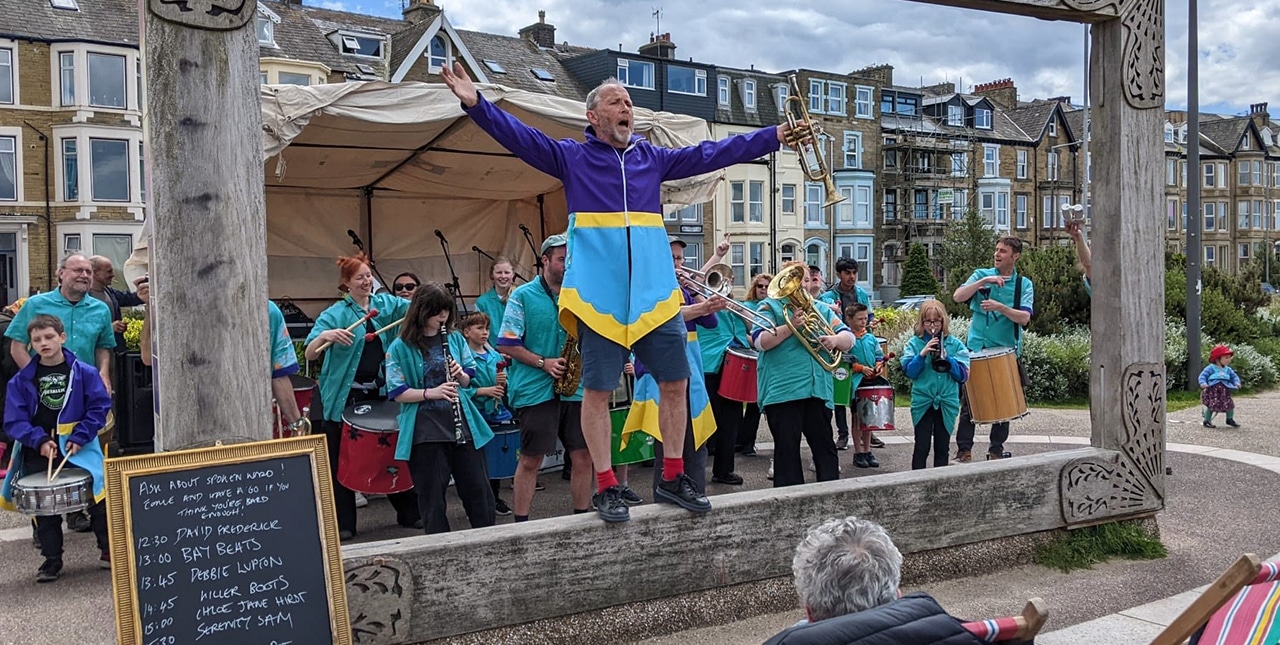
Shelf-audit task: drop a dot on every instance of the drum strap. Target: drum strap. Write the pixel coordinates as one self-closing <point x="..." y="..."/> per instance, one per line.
<point x="1017" y="303"/>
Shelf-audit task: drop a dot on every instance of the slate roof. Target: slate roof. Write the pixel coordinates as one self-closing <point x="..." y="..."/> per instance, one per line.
<point x="113" y="22"/>
<point x="1033" y="119"/>
<point x="1224" y="134"/>
<point x="518" y="56"/>
<point x="303" y="34"/>
<point x="766" y="112"/>
<point x="1004" y="129"/>
<point x="328" y="21"/>
<point x="402" y="42"/>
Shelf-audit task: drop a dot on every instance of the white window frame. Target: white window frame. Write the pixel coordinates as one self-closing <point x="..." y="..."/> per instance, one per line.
<point x="11" y="47"/>
<point x="1242" y="251"/>
<point x="1210" y="216"/>
<point x="1002" y="210"/>
<point x="755" y="263"/>
<point x="81" y="96"/>
<point x="978" y="121"/>
<point x="823" y="248"/>
<point x="1046" y="215"/>
<point x="1209" y="171"/>
<point x="863" y="102"/>
<point x="1021" y="169"/>
<point x="16" y="135"/>
<point x="844" y="210"/>
<point x="852" y="149"/>
<point x="837" y="98"/>
<point x="699" y="81"/>
<point x="624" y="72"/>
<point x="1052" y="166"/>
<point x="990" y="160"/>
<point x="82" y="134"/>
<point x="959" y="164"/>
<point x="1171" y="214"/>
<point x="817" y="96"/>
<point x="1210" y="254"/>
<point x="862" y="207"/>
<point x="755" y="207"/>
<point x="355" y="37"/>
<point x="813" y="206"/>
<point x="749" y="94"/>
<point x="789" y="203"/>
<point x="738" y="261"/>
<point x="1053" y="127"/>
<point x="264" y="20"/>
<point x="1171" y="172"/>
<point x="1168" y="133"/>
<point x="434" y="62"/>
<point x="737" y="202"/>
<point x="723" y="91"/>
<point x="955" y="115"/>
<point x="781" y="92"/>
<point x="1243" y="214"/>
<point x="85" y="231"/>
<point x="1020" y="205"/>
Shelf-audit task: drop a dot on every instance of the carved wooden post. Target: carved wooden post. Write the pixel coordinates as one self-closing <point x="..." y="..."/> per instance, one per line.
<point x="209" y="270"/>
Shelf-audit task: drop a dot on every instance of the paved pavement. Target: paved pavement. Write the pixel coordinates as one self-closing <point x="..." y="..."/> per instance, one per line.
<point x="1203" y="531"/>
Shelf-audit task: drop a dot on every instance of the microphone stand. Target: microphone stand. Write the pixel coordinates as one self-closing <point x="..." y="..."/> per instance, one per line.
<point x="537" y="257"/>
<point x="453" y="286"/>
<point x="513" y="269"/>
<point x="355" y="239"/>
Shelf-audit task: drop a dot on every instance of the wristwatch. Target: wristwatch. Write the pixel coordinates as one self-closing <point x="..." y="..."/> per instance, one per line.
<point x="541" y="362"/>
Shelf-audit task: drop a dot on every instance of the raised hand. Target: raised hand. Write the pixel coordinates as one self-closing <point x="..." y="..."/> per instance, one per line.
<point x="459" y="82"/>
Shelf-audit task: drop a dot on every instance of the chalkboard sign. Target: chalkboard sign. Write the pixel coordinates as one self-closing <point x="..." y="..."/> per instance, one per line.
<point x="232" y="545"/>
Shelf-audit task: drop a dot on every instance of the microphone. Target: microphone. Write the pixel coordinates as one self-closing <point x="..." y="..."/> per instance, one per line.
<point x="525" y="229"/>
<point x="355" y="239"/>
<point x="440" y="235"/>
<point x="476" y="249"/>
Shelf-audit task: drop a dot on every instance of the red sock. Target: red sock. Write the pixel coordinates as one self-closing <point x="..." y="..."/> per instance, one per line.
<point x="672" y="467"/>
<point x="605" y="480"/>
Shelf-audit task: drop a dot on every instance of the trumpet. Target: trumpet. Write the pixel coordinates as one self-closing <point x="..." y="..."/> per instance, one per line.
<point x="717" y="282"/>
<point x="788" y="286"/>
<point x="804" y="138"/>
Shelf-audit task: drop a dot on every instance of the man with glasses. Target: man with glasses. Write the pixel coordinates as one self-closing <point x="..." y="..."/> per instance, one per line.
<point x="1002" y="303"/>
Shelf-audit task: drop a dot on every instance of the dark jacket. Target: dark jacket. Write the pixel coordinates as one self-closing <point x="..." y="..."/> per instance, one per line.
<point x="914" y="619"/>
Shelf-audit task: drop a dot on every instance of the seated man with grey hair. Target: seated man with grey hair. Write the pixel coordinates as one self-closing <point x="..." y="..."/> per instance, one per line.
<point x="847" y="572"/>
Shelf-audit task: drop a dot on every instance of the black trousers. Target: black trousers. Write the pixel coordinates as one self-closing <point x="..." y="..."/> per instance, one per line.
<point x="344" y="499"/>
<point x="431" y="464"/>
<point x="749" y="428"/>
<point x="931" y="432"/>
<point x="965" y="431"/>
<point x="788" y="421"/>
<point x="49" y="527"/>
<point x="842" y="421"/>
<point x="728" y="415"/>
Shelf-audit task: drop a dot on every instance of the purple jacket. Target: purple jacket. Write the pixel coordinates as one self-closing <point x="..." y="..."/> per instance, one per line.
<point x="87" y="404"/>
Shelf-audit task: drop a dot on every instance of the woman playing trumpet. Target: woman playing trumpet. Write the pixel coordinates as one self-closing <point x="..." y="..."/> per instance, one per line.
<point x="352" y="373"/>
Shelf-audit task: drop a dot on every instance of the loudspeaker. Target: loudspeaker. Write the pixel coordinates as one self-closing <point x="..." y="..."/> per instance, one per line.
<point x="135" y="420"/>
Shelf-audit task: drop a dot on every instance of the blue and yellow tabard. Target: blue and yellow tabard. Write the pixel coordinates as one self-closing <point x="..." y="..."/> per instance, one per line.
<point x="284" y="359"/>
<point x="616" y="233"/>
<point x="643" y="415"/>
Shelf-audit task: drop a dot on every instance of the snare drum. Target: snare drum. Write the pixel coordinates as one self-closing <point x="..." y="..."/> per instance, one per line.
<point x="366" y="456"/>
<point x="994" y="389"/>
<point x="503" y="451"/>
<point x="303" y="390"/>
<point x="874" y="405"/>
<point x="70" y="491"/>
<point x="738" y="376"/>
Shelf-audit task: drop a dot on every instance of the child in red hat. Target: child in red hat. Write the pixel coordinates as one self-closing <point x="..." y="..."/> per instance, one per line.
<point x="1216" y="383"/>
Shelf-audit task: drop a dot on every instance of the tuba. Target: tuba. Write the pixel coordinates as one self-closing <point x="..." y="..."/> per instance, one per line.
<point x="567" y="384"/>
<point x="787" y="286"/>
<point x="803" y="138"/>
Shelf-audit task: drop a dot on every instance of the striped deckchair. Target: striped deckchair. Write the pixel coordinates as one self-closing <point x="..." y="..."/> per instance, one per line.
<point x="1239" y="608"/>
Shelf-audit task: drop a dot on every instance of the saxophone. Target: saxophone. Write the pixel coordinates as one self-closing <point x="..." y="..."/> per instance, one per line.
<point x="567" y="384"/>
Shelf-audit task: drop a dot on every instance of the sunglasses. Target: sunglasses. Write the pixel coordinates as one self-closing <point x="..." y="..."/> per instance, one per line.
<point x="405" y="286"/>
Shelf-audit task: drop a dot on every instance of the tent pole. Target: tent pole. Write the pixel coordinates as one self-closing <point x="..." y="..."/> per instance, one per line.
<point x="367" y="216"/>
<point x="542" y="218"/>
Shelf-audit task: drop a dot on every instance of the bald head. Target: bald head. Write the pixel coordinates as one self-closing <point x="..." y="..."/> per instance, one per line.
<point x="104" y="273"/>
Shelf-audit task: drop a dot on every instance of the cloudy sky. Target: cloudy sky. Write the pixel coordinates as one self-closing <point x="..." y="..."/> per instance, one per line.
<point x="922" y="42"/>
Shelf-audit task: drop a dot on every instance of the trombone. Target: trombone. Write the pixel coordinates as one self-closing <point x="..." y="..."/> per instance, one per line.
<point x="803" y="137"/>
<point x="717" y="282"/>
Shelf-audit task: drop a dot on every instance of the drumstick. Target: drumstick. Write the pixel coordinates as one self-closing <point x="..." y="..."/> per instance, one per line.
<point x="49" y="473"/>
<point x="368" y="338"/>
<point x="64" y="462"/>
<point x="371" y="314"/>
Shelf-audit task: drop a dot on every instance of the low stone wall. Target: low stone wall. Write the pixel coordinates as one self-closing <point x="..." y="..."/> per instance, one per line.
<point x="430" y="587"/>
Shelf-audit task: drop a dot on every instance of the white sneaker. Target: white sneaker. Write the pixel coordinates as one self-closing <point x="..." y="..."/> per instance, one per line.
<point x="361" y="501"/>
<point x="769" y="475"/>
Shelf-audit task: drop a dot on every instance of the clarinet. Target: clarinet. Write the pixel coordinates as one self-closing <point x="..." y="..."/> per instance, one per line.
<point x="448" y="375"/>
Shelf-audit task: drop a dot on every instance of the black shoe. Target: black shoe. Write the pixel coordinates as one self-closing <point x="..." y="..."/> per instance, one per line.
<point x="876" y="442"/>
<point x="749" y="451"/>
<point x="630" y="497"/>
<point x="732" y="479"/>
<point x="500" y="507"/>
<point x="860" y="460"/>
<point x="998" y="455"/>
<point x="344" y="534"/>
<point x="1208" y="424"/>
<point x="871" y="460"/>
<point x="681" y="491"/>
<point x="1232" y="423"/>
<point x="78" y="522"/>
<point x="50" y="570"/>
<point x="539" y="486"/>
<point x="416" y="524"/>
<point x="842" y="443"/>
<point x="610" y="506"/>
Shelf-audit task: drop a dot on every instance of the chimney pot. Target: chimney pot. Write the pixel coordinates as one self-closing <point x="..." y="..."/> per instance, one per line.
<point x="542" y="16"/>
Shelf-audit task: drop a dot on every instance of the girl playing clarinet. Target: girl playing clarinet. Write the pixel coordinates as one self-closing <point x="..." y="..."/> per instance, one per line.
<point x="937" y="363"/>
<point x="441" y="432"/>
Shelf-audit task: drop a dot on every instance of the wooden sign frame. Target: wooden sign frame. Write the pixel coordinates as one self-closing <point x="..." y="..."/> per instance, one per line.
<point x="120" y="524"/>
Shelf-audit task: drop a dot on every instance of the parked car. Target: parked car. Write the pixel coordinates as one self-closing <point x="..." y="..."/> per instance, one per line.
<point x="911" y="303"/>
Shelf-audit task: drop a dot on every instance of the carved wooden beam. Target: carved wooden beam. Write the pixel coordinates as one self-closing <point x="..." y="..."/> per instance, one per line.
<point x="1090" y="11"/>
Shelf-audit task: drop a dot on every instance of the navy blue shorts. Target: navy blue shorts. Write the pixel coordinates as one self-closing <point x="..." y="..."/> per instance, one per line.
<point x="662" y="351"/>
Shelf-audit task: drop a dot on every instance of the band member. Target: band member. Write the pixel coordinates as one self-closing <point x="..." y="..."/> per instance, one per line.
<point x="352" y="373"/>
<point x="644" y="414"/>
<point x="795" y="390"/>
<point x="284" y="362"/>
<point x="488" y="385"/>
<point x="866" y="364"/>
<point x="534" y="339"/>
<point x="840" y="296"/>
<point x="494" y="301"/>
<point x="1002" y="303"/>
<point x="613" y="189"/>
<point x="816" y="284"/>
<point x="937" y="364"/>
<point x="404" y="285"/>
<point x="441" y="430"/>
<point x="749" y="427"/>
<point x="1076" y="229"/>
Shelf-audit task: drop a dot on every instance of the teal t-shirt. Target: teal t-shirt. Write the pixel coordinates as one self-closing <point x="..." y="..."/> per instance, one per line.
<point x="787" y="372"/>
<point x="87" y="323"/>
<point x="340" y="361"/>
<point x="992" y="329"/>
<point x="714" y="341"/>
<point x="532" y="319"/>
<point x="492" y="306"/>
<point x="832" y="297"/>
<point x="284" y="360"/>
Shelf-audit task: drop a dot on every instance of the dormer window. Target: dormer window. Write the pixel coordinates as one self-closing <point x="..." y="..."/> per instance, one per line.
<point x="783" y="92"/>
<point x="635" y="73"/>
<point x="749" y="94"/>
<point x="1168" y="133"/>
<point x="1244" y="142"/>
<point x="438" y="53"/>
<point x="1053" y="128"/>
<point x="360" y="45"/>
<point x="266" y="32"/>
<point x="982" y="118"/>
<point x="955" y="115"/>
<point x="722" y="91"/>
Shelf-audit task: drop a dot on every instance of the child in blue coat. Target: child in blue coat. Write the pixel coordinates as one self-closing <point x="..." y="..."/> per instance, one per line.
<point x="1217" y="381"/>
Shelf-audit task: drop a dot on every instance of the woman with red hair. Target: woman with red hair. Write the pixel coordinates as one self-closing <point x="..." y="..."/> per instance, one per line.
<point x="353" y="373"/>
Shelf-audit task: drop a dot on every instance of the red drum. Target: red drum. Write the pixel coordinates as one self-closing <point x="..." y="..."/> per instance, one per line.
<point x="874" y="406"/>
<point x="303" y="389"/>
<point x="738" y="377"/>
<point x="367" y="455"/>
